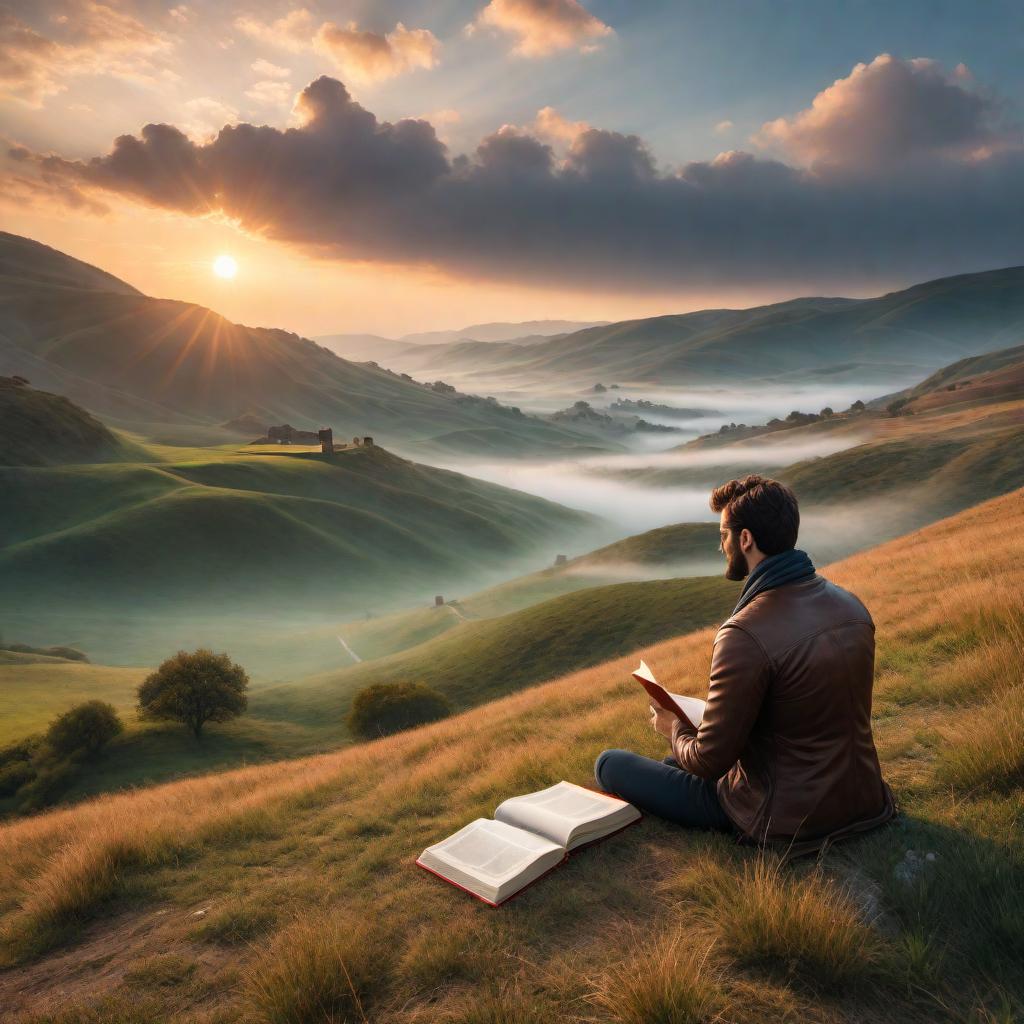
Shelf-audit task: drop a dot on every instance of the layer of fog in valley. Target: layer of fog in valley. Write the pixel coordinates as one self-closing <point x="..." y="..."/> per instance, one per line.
<point x="652" y="483"/>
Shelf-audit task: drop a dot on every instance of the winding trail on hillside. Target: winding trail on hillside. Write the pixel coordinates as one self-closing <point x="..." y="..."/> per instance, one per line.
<point x="348" y="650"/>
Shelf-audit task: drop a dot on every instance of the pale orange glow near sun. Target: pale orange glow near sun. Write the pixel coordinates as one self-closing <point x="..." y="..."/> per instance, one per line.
<point x="225" y="266"/>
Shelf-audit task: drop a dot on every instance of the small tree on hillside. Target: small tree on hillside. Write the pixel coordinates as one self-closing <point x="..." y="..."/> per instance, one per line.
<point x="194" y="688"/>
<point x="390" y="707"/>
<point x="84" y="730"/>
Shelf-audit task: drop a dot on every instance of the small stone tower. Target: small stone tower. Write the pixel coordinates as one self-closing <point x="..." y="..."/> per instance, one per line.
<point x="560" y="559"/>
<point x="438" y="600"/>
<point x="326" y="436"/>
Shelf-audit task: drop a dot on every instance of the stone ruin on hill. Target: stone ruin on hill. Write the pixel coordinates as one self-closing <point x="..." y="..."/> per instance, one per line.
<point x="287" y="434"/>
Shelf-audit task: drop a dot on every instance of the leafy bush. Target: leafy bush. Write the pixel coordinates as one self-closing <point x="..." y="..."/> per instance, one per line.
<point x="385" y="708"/>
<point x="16" y="765"/>
<point x="35" y="771"/>
<point x="84" y="730"/>
<point x="194" y="688"/>
<point x="49" y="779"/>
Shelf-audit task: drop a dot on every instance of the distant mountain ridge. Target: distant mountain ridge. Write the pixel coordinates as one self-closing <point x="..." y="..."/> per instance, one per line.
<point x="915" y="330"/>
<point x="420" y="346"/>
<point x="162" y="365"/>
<point x="502" y="331"/>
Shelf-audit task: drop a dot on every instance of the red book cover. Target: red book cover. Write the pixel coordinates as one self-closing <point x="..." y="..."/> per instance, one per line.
<point x="663" y="698"/>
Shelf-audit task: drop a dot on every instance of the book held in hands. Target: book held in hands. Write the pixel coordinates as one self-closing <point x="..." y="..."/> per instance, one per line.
<point x="687" y="708"/>
<point x="529" y="836"/>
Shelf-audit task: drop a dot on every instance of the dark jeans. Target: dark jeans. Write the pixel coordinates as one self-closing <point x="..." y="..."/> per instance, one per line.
<point x="661" y="787"/>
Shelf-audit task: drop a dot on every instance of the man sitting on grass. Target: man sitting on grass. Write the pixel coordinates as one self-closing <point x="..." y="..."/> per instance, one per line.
<point x="784" y="753"/>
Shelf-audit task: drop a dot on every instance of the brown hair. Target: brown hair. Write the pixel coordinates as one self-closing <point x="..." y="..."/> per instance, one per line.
<point x="766" y="508"/>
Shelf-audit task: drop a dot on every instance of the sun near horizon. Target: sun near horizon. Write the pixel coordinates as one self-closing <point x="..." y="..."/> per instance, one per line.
<point x="225" y="267"/>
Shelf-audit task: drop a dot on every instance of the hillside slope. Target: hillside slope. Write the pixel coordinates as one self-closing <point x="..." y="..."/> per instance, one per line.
<point x="162" y="366"/>
<point x="976" y="380"/>
<point x="40" y="429"/>
<point x="231" y="532"/>
<point x="304" y="866"/>
<point x="478" y="660"/>
<point x="683" y="549"/>
<point x="917" y="329"/>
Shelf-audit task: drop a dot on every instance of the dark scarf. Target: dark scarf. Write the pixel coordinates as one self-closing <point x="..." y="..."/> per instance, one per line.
<point x="775" y="571"/>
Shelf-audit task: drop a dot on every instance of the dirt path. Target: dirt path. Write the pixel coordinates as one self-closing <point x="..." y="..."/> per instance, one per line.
<point x="348" y="650"/>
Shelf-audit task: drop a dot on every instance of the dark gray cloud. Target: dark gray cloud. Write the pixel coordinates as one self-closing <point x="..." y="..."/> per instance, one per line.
<point x="603" y="212"/>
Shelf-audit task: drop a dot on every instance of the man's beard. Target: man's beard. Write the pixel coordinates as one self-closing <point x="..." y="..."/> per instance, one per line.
<point x="736" y="569"/>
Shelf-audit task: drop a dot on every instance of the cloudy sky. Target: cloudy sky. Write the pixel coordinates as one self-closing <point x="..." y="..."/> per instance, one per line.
<point x="399" y="166"/>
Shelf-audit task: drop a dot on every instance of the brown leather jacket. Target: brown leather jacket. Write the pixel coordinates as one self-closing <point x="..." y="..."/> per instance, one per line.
<point x="787" y="727"/>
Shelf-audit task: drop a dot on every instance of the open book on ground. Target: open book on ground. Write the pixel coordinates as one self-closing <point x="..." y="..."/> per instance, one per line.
<point x="528" y="837"/>
<point x="684" y="707"/>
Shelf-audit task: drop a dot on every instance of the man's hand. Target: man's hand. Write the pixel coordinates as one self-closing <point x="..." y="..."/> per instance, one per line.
<point x="662" y="721"/>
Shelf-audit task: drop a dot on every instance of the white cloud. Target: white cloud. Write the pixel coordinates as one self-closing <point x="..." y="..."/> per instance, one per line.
<point x="267" y="70"/>
<point x="91" y="38"/>
<point x="886" y="112"/>
<point x="205" y="116"/>
<point x="271" y="93"/>
<point x="372" y="56"/>
<point x="293" y="31"/>
<point x="542" y="27"/>
<point x="550" y="124"/>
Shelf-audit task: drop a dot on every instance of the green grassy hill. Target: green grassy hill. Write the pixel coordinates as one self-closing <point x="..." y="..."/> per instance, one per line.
<point x="917" y="329"/>
<point x="40" y="429"/>
<point x="174" y="369"/>
<point x="472" y="663"/>
<point x="33" y="692"/>
<point x="683" y="549"/>
<point x="479" y="660"/>
<point x="228" y="531"/>
<point x="278" y="891"/>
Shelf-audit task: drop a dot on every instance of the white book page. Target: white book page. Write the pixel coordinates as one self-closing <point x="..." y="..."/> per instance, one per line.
<point x="490" y="850"/>
<point x="693" y="706"/>
<point x="559" y="810"/>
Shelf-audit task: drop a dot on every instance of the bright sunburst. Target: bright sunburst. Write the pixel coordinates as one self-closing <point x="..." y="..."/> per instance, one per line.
<point x="225" y="266"/>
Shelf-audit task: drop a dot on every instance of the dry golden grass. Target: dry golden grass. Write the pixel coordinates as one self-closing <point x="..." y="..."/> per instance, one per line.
<point x="332" y="838"/>
<point x="662" y="979"/>
<point x="805" y="927"/>
<point x="323" y="968"/>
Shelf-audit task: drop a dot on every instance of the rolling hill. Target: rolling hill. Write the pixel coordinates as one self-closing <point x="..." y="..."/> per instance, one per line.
<point x="230" y="532"/>
<point x="684" y="549"/>
<point x="474" y="662"/>
<point x="175" y="370"/>
<point x="978" y="380"/>
<point x="916" y="330"/>
<point x="40" y="429"/>
<point x="274" y="891"/>
<point x="478" y="660"/>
